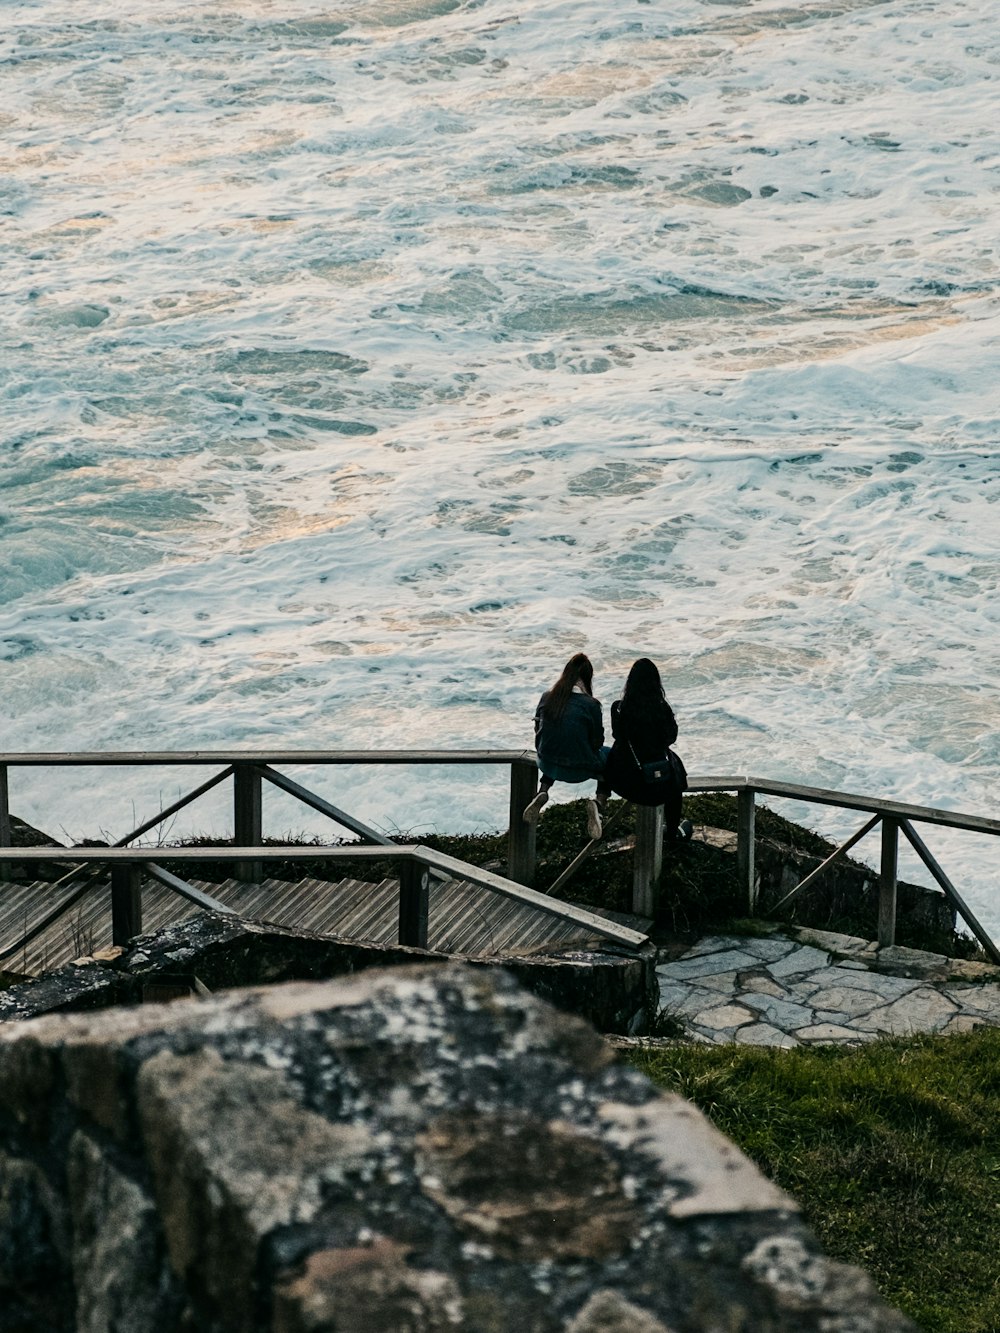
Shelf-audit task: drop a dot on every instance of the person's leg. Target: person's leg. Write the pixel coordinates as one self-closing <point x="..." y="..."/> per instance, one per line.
<point x="673" y="825"/>
<point x="534" y="807"/>
<point x="596" y="806"/>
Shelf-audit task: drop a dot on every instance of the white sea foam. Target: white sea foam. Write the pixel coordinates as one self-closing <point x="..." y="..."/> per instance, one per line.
<point x="361" y="361"/>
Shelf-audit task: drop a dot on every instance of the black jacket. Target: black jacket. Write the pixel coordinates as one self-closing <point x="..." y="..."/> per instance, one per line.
<point x="649" y="736"/>
<point x="569" y="746"/>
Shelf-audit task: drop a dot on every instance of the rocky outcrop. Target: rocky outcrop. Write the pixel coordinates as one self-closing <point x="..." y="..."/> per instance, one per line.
<point x="847" y="890"/>
<point x="615" y="991"/>
<point x="23" y="834"/>
<point x="425" y="1148"/>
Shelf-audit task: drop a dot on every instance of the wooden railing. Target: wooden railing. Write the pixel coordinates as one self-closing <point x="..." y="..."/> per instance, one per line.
<point x="250" y="769"/>
<point x="894" y="817"/>
<point x="417" y="866"/>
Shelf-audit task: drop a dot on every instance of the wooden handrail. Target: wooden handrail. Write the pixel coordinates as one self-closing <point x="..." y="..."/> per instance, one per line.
<point x="448" y="867"/>
<point x="894" y="814"/>
<point x="145" y="758"/>
<point x="926" y="814"/>
<point x="697" y="783"/>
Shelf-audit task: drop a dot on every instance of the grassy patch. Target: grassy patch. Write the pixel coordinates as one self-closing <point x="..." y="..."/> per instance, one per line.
<point x="893" y="1152"/>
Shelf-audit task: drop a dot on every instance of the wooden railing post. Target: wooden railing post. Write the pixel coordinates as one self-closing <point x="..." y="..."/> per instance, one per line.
<point x="126" y="903"/>
<point x="647" y="862"/>
<point x="746" y="820"/>
<point x="521" y="836"/>
<point x="414" y="886"/>
<point x="887" y="885"/>
<point x="5" y="867"/>
<point x="247" y="819"/>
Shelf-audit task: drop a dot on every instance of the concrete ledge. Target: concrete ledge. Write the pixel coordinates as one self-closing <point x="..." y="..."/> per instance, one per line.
<point x="427" y="1147"/>
<point x="616" y="991"/>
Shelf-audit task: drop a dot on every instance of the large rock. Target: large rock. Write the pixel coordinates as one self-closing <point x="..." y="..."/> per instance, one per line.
<point x="616" y="991"/>
<point x="425" y="1148"/>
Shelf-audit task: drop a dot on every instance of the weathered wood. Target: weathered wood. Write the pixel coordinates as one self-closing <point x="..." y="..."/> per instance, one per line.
<point x="563" y="878"/>
<point x="185" y="890"/>
<point x="143" y="758"/>
<point x="5" y="867"/>
<point x="521" y="836"/>
<point x="746" y="835"/>
<point x="814" y="875"/>
<point x="851" y="801"/>
<point x="179" y="804"/>
<point x="247" y="818"/>
<point x="324" y="807"/>
<point x="14" y="916"/>
<point x="887" y="883"/>
<point x="414" y="895"/>
<point x="126" y="903"/>
<point x="224" y="852"/>
<point x="610" y="930"/>
<point x="448" y="867"/>
<point x="953" y="895"/>
<point x="647" y="863"/>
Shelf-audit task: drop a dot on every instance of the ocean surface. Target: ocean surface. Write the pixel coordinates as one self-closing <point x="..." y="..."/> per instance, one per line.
<point x="361" y="361"/>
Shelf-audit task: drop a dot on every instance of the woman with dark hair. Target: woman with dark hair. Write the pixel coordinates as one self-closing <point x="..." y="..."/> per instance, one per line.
<point x="569" y="739"/>
<point x="644" y="728"/>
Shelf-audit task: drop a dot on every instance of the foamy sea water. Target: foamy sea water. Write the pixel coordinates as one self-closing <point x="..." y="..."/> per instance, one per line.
<point x="359" y="362"/>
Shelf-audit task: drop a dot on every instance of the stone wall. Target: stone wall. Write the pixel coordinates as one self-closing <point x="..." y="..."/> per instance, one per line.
<point x="847" y="889"/>
<point x="616" y="991"/>
<point x="427" y="1148"/>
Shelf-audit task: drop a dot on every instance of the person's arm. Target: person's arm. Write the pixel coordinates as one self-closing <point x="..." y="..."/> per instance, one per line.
<point x="538" y="717"/>
<point x="669" y="724"/>
<point x="597" y="724"/>
<point x="617" y="726"/>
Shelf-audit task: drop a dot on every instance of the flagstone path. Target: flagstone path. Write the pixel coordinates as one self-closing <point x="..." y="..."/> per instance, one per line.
<point x="808" y="987"/>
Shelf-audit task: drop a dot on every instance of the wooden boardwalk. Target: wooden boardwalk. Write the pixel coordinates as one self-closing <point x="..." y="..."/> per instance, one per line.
<point x="463" y="918"/>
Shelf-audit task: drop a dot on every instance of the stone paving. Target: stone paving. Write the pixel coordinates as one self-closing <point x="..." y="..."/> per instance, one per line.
<point x="807" y="986"/>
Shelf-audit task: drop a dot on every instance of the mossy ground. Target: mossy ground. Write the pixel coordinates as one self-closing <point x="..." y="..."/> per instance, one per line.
<point x="893" y="1152"/>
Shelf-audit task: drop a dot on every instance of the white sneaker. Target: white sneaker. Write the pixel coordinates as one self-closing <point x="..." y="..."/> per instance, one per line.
<point x="594" y="825"/>
<point x="534" y="807"/>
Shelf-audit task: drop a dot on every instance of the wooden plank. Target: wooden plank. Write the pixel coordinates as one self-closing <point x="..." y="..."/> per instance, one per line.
<point x="647" y="859"/>
<point x="600" y="925"/>
<point x="313" y="758"/>
<point x="377" y="918"/>
<point x="179" y="804"/>
<point x="485" y="925"/>
<point x="887" y="883"/>
<point x="521" y="837"/>
<point x="24" y="908"/>
<point x="746" y="838"/>
<point x="111" y="855"/>
<point x="958" y="902"/>
<point x="5" y="868"/>
<point x="181" y="888"/>
<point x="414" y="886"/>
<point x="840" y="851"/>
<point x="896" y="809"/>
<point x="325" y="808"/>
<point x="126" y="903"/>
<point x="248" y="819"/>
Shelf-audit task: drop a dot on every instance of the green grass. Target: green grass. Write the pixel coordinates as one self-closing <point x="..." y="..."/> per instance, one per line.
<point x="892" y="1151"/>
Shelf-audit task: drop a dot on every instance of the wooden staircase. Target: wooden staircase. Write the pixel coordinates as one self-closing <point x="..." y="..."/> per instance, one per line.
<point x="463" y="919"/>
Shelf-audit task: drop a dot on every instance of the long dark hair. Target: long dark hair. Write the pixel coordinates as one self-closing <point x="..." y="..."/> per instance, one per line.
<point x="643" y="693"/>
<point x="578" y="670"/>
